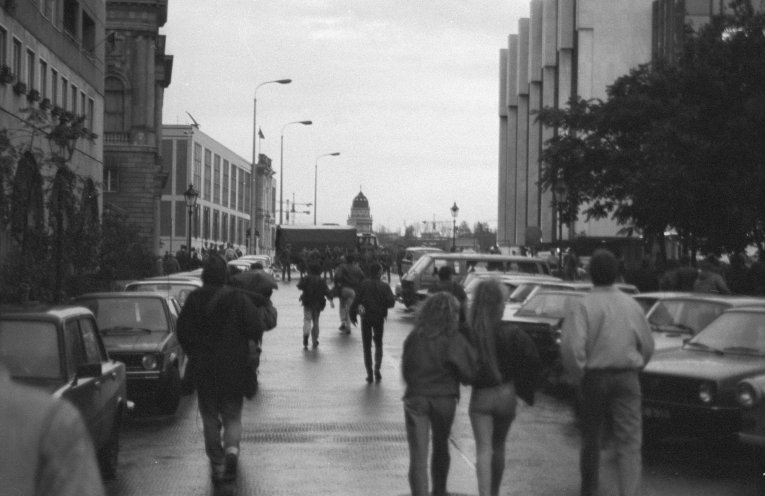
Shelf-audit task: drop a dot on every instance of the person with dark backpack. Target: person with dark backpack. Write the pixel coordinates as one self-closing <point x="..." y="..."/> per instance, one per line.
<point x="348" y="276"/>
<point x="314" y="300"/>
<point x="372" y="302"/>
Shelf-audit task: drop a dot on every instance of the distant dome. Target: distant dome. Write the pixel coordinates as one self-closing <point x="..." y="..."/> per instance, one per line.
<point x="360" y="201"/>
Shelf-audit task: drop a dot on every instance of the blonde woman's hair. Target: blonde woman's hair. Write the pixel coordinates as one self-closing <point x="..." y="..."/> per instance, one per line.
<point x="438" y="314"/>
<point x="484" y="318"/>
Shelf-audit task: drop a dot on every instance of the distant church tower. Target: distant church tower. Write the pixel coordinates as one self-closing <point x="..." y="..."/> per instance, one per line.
<point x="360" y="217"/>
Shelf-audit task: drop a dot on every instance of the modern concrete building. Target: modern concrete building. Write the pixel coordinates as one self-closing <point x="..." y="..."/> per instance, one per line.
<point x="360" y="215"/>
<point x="52" y="57"/>
<point x="222" y="179"/>
<point x="137" y="73"/>
<point x="565" y="48"/>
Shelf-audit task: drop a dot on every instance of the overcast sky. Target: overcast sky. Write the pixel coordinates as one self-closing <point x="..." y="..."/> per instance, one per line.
<point x="406" y="91"/>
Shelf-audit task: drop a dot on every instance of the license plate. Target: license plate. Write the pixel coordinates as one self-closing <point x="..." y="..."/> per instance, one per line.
<point x="656" y="413"/>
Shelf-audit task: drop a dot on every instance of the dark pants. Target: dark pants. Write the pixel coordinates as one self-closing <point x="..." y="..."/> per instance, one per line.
<point x="424" y="414"/>
<point x="221" y="422"/>
<point x="372" y="330"/>
<point x="615" y="394"/>
<point x="286" y="272"/>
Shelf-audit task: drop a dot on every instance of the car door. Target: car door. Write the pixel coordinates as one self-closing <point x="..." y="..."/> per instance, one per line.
<point x="84" y="393"/>
<point x="111" y="389"/>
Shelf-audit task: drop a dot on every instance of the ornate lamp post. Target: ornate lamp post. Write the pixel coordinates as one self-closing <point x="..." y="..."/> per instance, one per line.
<point x="191" y="196"/>
<point x="281" y="169"/>
<point x="455" y="210"/>
<point x="252" y="229"/>
<point x="315" y="180"/>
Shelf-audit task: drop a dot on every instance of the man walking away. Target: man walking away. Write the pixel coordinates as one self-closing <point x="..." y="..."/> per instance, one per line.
<point x="372" y="302"/>
<point x="314" y="299"/>
<point x="348" y="276"/>
<point x="445" y="283"/>
<point x="214" y="327"/>
<point x="606" y="341"/>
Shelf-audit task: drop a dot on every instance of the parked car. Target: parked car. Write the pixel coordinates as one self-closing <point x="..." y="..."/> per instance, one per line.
<point x="541" y="317"/>
<point x="691" y="390"/>
<point x="414" y="253"/>
<point x="139" y="329"/>
<point x="179" y="288"/>
<point x="511" y="282"/>
<point x="58" y="349"/>
<point x="676" y="315"/>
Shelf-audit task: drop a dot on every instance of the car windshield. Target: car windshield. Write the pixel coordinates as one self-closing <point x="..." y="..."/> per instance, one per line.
<point x="127" y="314"/>
<point x="684" y="316"/>
<point x="733" y="332"/>
<point x="178" y="290"/>
<point x="547" y="305"/>
<point x="29" y="349"/>
<point x="521" y="292"/>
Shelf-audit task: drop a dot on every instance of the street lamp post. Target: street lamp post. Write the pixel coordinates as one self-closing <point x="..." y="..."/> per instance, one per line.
<point x="455" y="210"/>
<point x="281" y="169"/>
<point x="252" y="249"/>
<point x="191" y="196"/>
<point x="560" y="194"/>
<point x="315" y="180"/>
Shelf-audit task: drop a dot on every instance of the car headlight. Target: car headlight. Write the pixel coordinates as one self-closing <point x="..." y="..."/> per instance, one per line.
<point x="746" y="395"/>
<point x="706" y="392"/>
<point x="149" y="362"/>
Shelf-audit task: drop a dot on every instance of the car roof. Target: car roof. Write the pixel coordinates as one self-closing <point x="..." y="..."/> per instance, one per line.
<point x="485" y="257"/>
<point x="123" y="294"/>
<point x="41" y="311"/>
<point x="733" y="300"/>
<point x="170" y="280"/>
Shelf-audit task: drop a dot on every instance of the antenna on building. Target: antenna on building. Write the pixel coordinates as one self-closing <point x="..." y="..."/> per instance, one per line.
<point x="196" y="124"/>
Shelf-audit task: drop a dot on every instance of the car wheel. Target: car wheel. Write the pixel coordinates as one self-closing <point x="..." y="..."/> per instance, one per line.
<point x="108" y="455"/>
<point x="169" y="396"/>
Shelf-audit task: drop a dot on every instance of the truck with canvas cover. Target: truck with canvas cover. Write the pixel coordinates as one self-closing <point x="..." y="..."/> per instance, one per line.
<point x="315" y="237"/>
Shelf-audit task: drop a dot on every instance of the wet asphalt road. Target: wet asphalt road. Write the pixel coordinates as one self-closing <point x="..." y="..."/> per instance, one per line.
<point x="316" y="427"/>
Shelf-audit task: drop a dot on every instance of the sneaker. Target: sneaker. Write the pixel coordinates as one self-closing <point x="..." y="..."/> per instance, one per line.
<point x="378" y="376"/>
<point x="315" y="344"/>
<point x="369" y="378"/>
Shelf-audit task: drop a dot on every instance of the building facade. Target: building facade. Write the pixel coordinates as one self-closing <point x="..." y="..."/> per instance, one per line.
<point x="52" y="58"/>
<point x="360" y="217"/>
<point x="265" y="205"/>
<point x="222" y="179"/>
<point x="137" y="73"/>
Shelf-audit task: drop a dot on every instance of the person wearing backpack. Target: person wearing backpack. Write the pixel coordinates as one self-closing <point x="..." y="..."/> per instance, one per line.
<point x="372" y="302"/>
<point x="498" y="381"/>
<point x="214" y="328"/>
<point x="348" y="276"/>
<point x="314" y="300"/>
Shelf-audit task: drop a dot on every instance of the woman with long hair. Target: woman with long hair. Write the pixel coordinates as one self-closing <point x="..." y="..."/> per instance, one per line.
<point x="508" y="365"/>
<point x="436" y="358"/>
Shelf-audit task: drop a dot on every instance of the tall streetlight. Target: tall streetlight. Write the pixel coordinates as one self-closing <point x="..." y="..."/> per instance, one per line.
<point x="252" y="248"/>
<point x="315" y="179"/>
<point x="190" y="195"/>
<point x="281" y="169"/>
<point x="455" y="210"/>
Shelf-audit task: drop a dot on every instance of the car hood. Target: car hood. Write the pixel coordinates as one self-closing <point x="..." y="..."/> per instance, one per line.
<point x="50" y="386"/>
<point x="516" y="319"/>
<point x="704" y="365"/>
<point x="135" y="341"/>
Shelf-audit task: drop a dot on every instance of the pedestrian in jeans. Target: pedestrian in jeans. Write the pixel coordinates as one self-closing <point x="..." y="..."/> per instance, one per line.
<point x="314" y="299"/>
<point x="606" y="341"/>
<point x="348" y="276"/>
<point x="372" y="302"/>
<point x="436" y="358"/>
<point x="214" y="328"/>
<point x="498" y="381"/>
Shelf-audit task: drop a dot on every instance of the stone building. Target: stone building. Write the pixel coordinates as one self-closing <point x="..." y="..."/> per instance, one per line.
<point x="222" y="180"/>
<point x="137" y="73"/>
<point x="571" y="48"/>
<point x="360" y="215"/>
<point x="52" y="57"/>
<point x="265" y="205"/>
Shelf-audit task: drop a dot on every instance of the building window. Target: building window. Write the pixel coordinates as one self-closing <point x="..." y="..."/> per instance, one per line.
<point x="111" y="180"/>
<point x="83" y="105"/>
<point x="43" y="78"/>
<point x="233" y="188"/>
<point x="197" y="172"/>
<point x="208" y="175"/>
<point x="216" y="180"/>
<point x="54" y="86"/>
<point x="3" y="46"/>
<point x="16" y="58"/>
<point x="74" y="99"/>
<point x="226" y="167"/>
<point x="88" y="33"/>
<point x="71" y="9"/>
<point x="64" y="93"/>
<point x="114" y="105"/>
<point x="216" y="226"/>
<point x="30" y="69"/>
<point x="48" y="8"/>
<point x="91" y="113"/>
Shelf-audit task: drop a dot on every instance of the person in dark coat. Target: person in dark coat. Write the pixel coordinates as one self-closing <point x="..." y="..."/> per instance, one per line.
<point x="348" y="276"/>
<point x="314" y="300"/>
<point x="445" y="283"/>
<point x="214" y="328"/>
<point x="373" y="299"/>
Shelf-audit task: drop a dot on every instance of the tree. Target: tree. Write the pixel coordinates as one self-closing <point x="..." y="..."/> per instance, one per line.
<point x="674" y="145"/>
